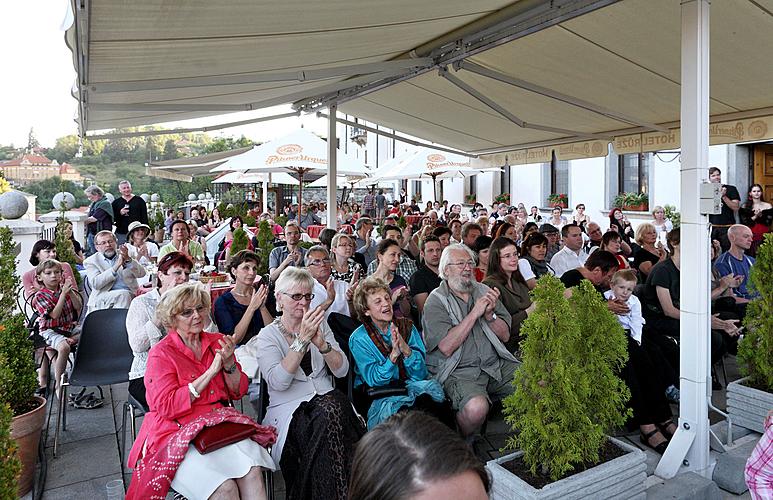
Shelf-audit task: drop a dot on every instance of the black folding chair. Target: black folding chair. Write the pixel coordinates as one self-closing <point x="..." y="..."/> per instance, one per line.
<point x="343" y="326"/>
<point x="104" y="357"/>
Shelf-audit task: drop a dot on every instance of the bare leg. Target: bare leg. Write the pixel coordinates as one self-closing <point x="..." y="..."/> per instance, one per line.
<point x="63" y="352"/>
<point x="226" y="491"/>
<point x="472" y="416"/>
<point x="251" y="485"/>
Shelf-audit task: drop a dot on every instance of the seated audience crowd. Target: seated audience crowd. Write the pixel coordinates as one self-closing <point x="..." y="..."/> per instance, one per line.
<point x="435" y="304"/>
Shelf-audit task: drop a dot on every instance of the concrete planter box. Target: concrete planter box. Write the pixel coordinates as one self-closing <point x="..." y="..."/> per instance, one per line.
<point x="748" y="407"/>
<point x="620" y="478"/>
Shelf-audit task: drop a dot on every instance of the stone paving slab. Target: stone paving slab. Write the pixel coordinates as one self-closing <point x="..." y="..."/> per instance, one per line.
<point x="83" y="460"/>
<point x="90" y="489"/>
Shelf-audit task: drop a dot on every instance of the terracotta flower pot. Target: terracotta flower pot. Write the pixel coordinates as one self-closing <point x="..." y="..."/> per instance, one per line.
<point x="25" y="430"/>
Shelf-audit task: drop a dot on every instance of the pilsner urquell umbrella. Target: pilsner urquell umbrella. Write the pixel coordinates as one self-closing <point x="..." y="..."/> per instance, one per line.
<point x="298" y="153"/>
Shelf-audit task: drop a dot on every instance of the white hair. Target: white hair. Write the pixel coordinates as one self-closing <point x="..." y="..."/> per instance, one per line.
<point x="315" y="249"/>
<point x="445" y="257"/>
<point x="292" y="277"/>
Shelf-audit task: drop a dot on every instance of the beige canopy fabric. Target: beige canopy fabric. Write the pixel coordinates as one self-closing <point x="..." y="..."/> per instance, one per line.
<point x="530" y="76"/>
<point x="148" y="61"/>
<point x="185" y="169"/>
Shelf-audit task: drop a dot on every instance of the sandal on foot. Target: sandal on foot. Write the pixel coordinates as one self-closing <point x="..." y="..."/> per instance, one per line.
<point x="645" y="440"/>
<point x="664" y="429"/>
<point x="89" y="402"/>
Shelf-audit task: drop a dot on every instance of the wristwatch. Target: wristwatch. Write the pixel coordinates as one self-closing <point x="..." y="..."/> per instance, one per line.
<point x="327" y="348"/>
<point x="493" y="318"/>
<point x="231" y="369"/>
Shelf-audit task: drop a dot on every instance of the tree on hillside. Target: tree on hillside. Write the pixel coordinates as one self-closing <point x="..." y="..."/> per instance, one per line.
<point x="9" y="152"/>
<point x="226" y="143"/>
<point x="32" y="141"/>
<point x="170" y="150"/>
<point x="65" y="149"/>
<point x="46" y="189"/>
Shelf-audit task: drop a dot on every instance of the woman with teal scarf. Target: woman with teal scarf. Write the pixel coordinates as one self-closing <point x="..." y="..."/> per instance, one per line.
<point x="100" y="216"/>
<point x="385" y="355"/>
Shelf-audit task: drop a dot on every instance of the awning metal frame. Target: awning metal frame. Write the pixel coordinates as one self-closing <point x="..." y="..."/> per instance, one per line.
<point x="521" y="19"/>
<point x="470" y="90"/>
<point x="300" y="75"/>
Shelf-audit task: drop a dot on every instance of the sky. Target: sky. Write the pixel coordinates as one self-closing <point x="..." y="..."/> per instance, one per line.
<point x="38" y="77"/>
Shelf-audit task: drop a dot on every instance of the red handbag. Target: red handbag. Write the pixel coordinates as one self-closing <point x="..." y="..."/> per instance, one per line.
<point x="220" y="435"/>
<point x="217" y="436"/>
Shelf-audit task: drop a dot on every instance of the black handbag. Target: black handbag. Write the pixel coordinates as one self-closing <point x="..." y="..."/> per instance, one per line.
<point x="395" y="388"/>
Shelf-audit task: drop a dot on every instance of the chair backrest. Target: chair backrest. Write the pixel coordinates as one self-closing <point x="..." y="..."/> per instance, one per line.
<point x="104" y="356"/>
<point x="343" y="326"/>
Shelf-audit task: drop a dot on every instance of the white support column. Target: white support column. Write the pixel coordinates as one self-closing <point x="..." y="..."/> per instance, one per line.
<point x="689" y="450"/>
<point x="332" y="169"/>
<point x="266" y="180"/>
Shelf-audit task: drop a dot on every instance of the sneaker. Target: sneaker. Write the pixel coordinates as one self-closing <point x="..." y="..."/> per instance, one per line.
<point x="672" y="394"/>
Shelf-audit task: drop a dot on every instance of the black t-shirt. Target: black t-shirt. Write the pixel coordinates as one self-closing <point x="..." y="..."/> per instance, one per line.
<point x="642" y="255"/>
<point x="727" y="217"/>
<point x="424" y="280"/>
<point x="573" y="277"/>
<point x="138" y="210"/>
<point x="666" y="275"/>
<point x="76" y="246"/>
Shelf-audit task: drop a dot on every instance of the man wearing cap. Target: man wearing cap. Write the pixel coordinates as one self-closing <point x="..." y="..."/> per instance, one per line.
<point x="363" y="243"/>
<point x="140" y="249"/>
<point x="554" y="241"/>
<point x="127" y="209"/>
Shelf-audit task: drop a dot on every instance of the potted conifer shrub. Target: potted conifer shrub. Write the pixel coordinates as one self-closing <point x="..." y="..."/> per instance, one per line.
<point x="10" y="465"/>
<point x="751" y="398"/>
<point x="18" y="380"/>
<point x="567" y="398"/>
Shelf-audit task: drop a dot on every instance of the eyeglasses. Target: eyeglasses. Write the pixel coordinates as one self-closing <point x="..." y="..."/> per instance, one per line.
<point x="298" y="296"/>
<point x="320" y="262"/>
<point x="187" y="313"/>
<point x="466" y="263"/>
<point x="345" y="245"/>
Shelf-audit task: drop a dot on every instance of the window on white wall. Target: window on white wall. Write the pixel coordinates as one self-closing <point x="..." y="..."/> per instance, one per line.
<point x="473" y="185"/>
<point x="559" y="176"/>
<point x="504" y="178"/>
<point x="633" y="173"/>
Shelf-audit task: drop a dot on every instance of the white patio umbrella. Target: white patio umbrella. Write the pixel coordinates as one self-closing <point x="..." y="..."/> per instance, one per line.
<point x="424" y="163"/>
<point x="298" y="153"/>
<point x="255" y="178"/>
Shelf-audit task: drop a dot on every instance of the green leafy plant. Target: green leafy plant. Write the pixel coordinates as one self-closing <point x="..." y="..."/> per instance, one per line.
<point x="18" y="379"/>
<point x="502" y="198"/>
<point x="65" y="251"/>
<point x="265" y="239"/>
<point x="756" y="349"/>
<point x="241" y="241"/>
<point x="672" y="214"/>
<point x="619" y="200"/>
<point x="401" y="222"/>
<point x="567" y="395"/>
<point x="10" y="464"/>
<point x="470" y="198"/>
<point x="281" y="220"/>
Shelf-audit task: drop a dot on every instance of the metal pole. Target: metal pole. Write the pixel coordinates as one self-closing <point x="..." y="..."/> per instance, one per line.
<point x="332" y="168"/>
<point x="689" y="450"/>
<point x="266" y="180"/>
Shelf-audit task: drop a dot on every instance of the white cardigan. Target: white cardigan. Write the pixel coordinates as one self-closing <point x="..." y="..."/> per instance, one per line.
<point x="288" y="390"/>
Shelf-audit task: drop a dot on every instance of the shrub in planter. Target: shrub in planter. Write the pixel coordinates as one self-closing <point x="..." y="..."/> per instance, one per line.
<point x="560" y="199"/>
<point x="756" y="349"/>
<point x="241" y="241"/>
<point x="672" y="214"/>
<point x="10" y="465"/>
<point x="65" y="250"/>
<point x="18" y="379"/>
<point x="567" y="395"/>
<point x="265" y="244"/>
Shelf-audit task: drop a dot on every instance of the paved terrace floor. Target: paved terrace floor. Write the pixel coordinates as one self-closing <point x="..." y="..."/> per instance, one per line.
<point x="89" y="449"/>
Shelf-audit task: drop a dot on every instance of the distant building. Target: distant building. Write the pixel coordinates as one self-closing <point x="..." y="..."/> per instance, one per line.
<point x="34" y="167"/>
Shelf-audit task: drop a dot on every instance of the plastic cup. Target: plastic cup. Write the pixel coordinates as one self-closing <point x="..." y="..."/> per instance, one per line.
<point x="114" y="489"/>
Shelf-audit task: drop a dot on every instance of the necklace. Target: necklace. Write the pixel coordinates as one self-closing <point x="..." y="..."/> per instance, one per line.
<point x="280" y="325"/>
<point x="234" y="292"/>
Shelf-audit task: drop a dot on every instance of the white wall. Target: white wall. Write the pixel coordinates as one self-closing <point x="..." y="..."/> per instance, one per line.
<point x="587" y="181"/>
<point x="487" y="188"/>
<point x="664" y="189"/>
<point x="525" y="185"/>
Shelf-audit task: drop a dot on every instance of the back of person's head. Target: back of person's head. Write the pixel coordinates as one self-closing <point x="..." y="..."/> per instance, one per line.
<point x="673" y="239"/>
<point x="326" y="237"/>
<point x="400" y="457"/>
<point x="606" y="261"/>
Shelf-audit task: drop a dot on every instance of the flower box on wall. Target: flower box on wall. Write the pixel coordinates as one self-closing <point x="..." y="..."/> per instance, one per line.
<point x="622" y="477"/>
